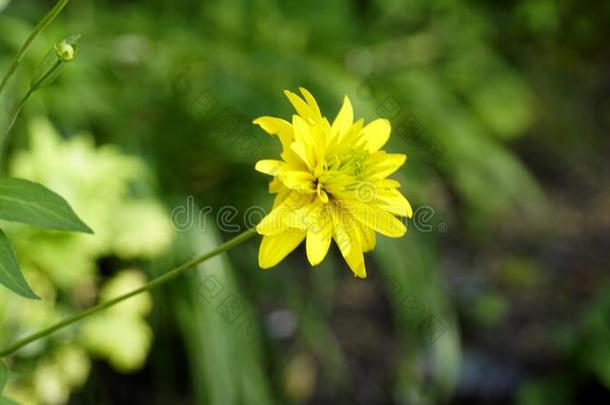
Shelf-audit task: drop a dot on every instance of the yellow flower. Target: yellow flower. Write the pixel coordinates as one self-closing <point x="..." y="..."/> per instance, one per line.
<point x="332" y="183"/>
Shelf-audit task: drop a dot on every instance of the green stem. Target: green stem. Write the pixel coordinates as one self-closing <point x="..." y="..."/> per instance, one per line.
<point x="32" y="89"/>
<point x="14" y="117"/>
<point x="42" y="24"/>
<point x="150" y="285"/>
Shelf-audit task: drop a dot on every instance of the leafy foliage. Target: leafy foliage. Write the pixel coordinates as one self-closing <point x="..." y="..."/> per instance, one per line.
<point x="10" y="274"/>
<point x="30" y="203"/>
<point x="131" y="227"/>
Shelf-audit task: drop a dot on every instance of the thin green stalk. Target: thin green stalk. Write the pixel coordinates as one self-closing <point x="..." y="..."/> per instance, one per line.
<point x="34" y="86"/>
<point x="16" y="113"/>
<point x="32" y="89"/>
<point x="42" y="24"/>
<point x="150" y="285"/>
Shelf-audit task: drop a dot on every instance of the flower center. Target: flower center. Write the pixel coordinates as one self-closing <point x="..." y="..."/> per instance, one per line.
<point x="339" y="174"/>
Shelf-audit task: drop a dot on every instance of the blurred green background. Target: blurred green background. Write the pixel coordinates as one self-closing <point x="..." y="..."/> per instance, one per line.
<point x="499" y="293"/>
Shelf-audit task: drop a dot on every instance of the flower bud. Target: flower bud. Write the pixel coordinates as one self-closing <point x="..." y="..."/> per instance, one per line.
<point x="53" y="63"/>
<point x="64" y="51"/>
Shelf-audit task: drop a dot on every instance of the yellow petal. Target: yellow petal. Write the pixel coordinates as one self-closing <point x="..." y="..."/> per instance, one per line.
<point x="299" y="217"/>
<point x="283" y="194"/>
<point x="297" y="199"/>
<point x="300" y="150"/>
<point x="304" y="144"/>
<point x="269" y="166"/>
<point x="319" y="235"/>
<point x="344" y="119"/>
<point x="344" y="142"/>
<point x="274" y="248"/>
<point x="302" y="108"/>
<point x="274" y="223"/>
<point x="322" y="194"/>
<point x="396" y="203"/>
<point x="290" y="211"/>
<point x="275" y="186"/>
<point x="387" y="183"/>
<point x="376" y="134"/>
<point x="377" y="219"/>
<point x="276" y="126"/>
<point x="382" y="164"/>
<point x="311" y="101"/>
<point x="355" y="261"/>
<point x="367" y="236"/>
<point x="340" y="234"/>
<point x="354" y="255"/>
<point x="298" y="180"/>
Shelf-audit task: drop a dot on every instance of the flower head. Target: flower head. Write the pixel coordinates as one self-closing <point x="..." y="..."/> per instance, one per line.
<point x="331" y="184"/>
<point x="65" y="51"/>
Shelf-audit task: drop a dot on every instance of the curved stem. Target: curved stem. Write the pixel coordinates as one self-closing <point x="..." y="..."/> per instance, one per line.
<point x="14" y="116"/>
<point x="162" y="279"/>
<point x="10" y="125"/>
<point x="42" y="24"/>
<point x="33" y="88"/>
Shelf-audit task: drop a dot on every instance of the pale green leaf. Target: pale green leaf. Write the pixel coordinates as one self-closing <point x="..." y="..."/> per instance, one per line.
<point x="31" y="203"/>
<point x="10" y="273"/>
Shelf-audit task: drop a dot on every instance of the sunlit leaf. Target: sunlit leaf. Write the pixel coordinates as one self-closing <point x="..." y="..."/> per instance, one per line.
<point x="10" y="273"/>
<point x="31" y="203"/>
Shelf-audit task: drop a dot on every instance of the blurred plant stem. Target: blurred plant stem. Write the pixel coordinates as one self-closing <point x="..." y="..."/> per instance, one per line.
<point x="31" y="91"/>
<point x="47" y="71"/>
<point x="170" y="275"/>
<point x="42" y="24"/>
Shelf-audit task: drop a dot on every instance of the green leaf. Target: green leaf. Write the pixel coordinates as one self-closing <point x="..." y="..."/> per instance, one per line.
<point x="31" y="203"/>
<point x="3" y="376"/>
<point x="10" y="273"/>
